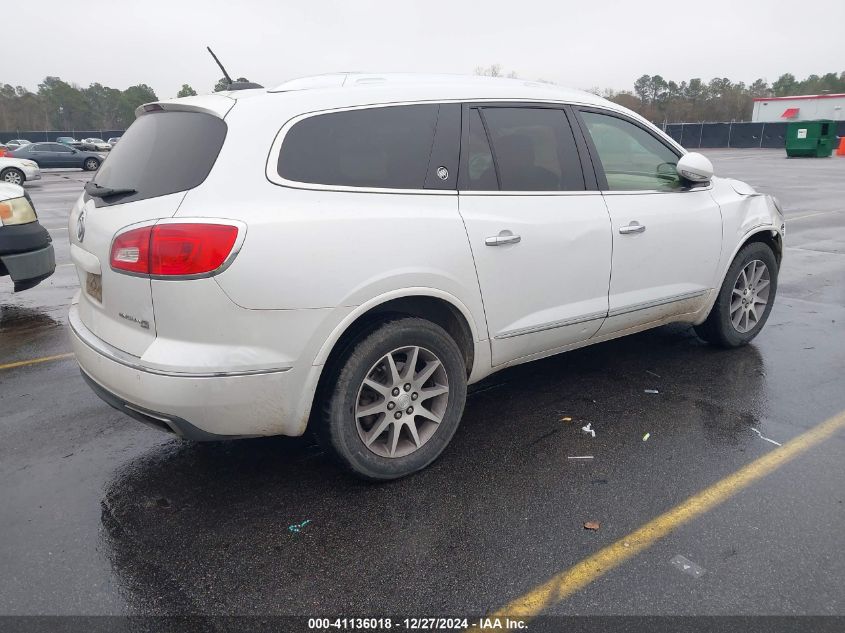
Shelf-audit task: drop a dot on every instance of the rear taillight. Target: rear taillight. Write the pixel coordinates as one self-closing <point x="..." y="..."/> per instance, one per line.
<point x="173" y="250"/>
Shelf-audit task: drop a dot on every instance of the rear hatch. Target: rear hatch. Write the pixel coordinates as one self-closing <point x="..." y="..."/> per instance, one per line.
<point x="167" y="151"/>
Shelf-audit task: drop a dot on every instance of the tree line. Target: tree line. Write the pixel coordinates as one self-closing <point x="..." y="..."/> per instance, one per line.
<point x="719" y="99"/>
<point x="59" y="105"/>
<point x="694" y="101"/>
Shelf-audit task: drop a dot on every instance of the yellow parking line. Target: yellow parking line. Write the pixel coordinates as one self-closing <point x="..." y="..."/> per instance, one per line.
<point x="566" y="583"/>
<point x="35" y="361"/>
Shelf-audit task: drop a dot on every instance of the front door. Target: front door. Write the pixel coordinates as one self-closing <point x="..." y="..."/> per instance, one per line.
<point x="541" y="241"/>
<point x="62" y="155"/>
<point x="667" y="236"/>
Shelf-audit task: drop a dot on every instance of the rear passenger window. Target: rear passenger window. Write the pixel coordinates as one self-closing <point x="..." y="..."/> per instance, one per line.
<point x="534" y="149"/>
<point x="386" y="147"/>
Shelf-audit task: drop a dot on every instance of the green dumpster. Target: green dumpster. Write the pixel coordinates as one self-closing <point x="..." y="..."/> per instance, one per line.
<point x="810" y="138"/>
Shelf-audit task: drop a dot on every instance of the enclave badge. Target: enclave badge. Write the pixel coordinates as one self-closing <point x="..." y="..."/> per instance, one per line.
<point x="142" y="322"/>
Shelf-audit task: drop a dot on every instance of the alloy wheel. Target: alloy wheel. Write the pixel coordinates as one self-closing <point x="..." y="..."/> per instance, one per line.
<point x="401" y="401"/>
<point x="749" y="296"/>
<point x="13" y="177"/>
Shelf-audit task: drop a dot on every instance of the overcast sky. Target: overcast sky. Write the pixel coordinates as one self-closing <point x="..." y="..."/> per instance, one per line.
<point x="602" y="43"/>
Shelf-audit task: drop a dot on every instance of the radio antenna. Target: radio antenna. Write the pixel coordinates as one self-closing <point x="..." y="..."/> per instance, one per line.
<point x="225" y="74"/>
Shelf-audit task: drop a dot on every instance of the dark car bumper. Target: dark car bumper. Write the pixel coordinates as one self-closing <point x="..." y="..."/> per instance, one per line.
<point x="26" y="254"/>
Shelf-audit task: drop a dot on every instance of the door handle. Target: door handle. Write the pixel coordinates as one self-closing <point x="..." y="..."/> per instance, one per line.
<point x="504" y="237"/>
<point x="633" y="227"/>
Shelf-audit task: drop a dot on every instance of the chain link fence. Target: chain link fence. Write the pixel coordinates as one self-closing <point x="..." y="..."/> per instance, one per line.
<point x="745" y="134"/>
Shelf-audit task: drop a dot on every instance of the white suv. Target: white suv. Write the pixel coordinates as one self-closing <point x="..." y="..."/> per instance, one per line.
<point x="350" y="251"/>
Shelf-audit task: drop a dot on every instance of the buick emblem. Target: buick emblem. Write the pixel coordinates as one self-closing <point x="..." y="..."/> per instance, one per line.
<point x="80" y="227"/>
<point x="442" y="173"/>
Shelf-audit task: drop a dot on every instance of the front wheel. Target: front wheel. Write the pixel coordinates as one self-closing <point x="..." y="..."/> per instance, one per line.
<point x="91" y="164"/>
<point x="745" y="298"/>
<point x="399" y="393"/>
<point x="13" y="176"/>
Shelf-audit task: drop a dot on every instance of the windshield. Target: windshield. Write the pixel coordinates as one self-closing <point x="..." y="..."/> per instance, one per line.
<point x="163" y="153"/>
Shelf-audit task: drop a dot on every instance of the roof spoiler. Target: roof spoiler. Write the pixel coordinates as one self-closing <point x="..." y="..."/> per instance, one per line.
<point x="215" y="104"/>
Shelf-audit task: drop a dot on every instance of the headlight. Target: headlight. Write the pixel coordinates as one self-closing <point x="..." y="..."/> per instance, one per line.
<point x="777" y="204"/>
<point x="16" y="211"/>
<point x="30" y="163"/>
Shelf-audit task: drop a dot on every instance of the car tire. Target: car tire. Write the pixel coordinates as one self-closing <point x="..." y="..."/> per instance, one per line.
<point x="91" y="164"/>
<point x="13" y="175"/>
<point x="403" y="435"/>
<point x="745" y="298"/>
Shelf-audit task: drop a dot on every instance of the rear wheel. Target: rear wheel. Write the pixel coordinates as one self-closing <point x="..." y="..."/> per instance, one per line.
<point x="91" y="164"/>
<point x="745" y="298"/>
<point x="12" y="175"/>
<point x="399" y="392"/>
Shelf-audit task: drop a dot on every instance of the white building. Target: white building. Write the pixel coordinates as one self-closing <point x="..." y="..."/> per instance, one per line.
<point x="800" y="108"/>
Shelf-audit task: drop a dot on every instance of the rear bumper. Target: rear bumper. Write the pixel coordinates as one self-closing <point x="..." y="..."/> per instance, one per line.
<point x="30" y="268"/>
<point x="163" y="422"/>
<point x="196" y="407"/>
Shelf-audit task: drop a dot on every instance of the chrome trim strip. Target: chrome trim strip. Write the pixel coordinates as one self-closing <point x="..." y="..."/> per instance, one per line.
<point x="130" y="361"/>
<point x="474" y="192"/>
<point x="160" y="418"/>
<point x="273" y="176"/>
<point x="638" y="192"/>
<point x="551" y="326"/>
<point x="657" y="302"/>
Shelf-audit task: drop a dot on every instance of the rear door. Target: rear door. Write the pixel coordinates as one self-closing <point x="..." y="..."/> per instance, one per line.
<point x="161" y="156"/>
<point x="667" y="236"/>
<point x="43" y="155"/>
<point x="62" y="155"/>
<point x="539" y="232"/>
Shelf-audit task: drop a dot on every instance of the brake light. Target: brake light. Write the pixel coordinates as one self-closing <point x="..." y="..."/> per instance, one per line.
<point x="167" y="250"/>
<point x="190" y="249"/>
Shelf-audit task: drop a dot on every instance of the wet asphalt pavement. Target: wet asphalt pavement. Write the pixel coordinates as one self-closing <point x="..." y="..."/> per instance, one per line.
<point x="101" y="515"/>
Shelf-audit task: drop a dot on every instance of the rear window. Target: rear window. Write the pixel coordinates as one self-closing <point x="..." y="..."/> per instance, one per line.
<point x="162" y="153"/>
<point x="386" y="147"/>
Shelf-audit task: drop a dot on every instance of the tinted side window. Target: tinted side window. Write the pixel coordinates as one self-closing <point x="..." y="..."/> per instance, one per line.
<point x="633" y="159"/>
<point x="480" y="169"/>
<point x="58" y="147"/>
<point x="386" y="147"/>
<point x="534" y="149"/>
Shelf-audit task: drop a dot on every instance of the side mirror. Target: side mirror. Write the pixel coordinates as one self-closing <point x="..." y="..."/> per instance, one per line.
<point x="695" y="167"/>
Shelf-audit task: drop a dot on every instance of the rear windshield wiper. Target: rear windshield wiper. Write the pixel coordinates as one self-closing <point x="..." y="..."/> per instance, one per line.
<point x="98" y="191"/>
